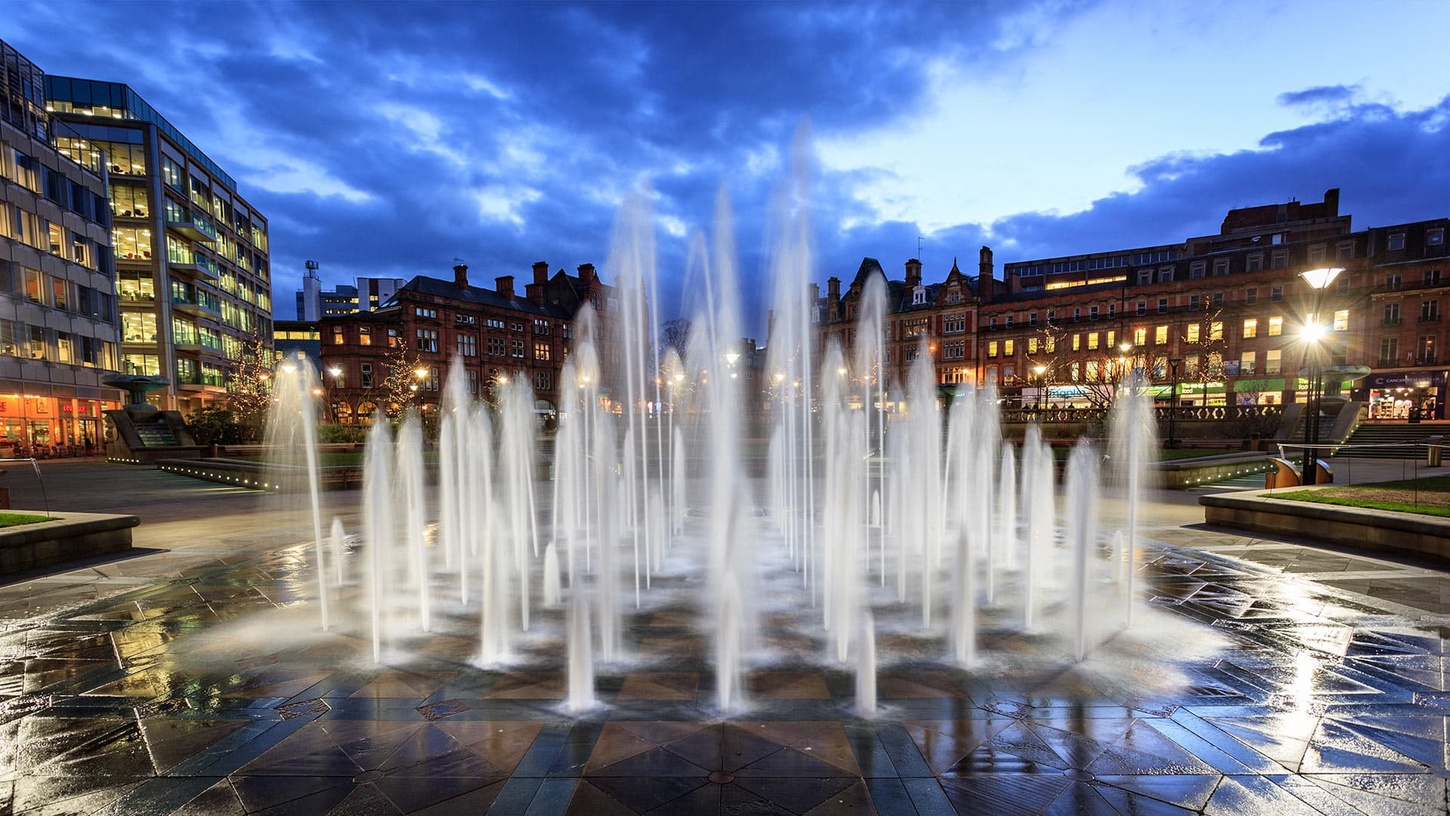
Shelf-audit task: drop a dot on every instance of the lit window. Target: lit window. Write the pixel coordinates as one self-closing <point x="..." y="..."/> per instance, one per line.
<point x="1276" y="326"/>
<point x="1251" y="328"/>
<point x="1215" y="330"/>
<point x="1341" y="320"/>
<point x="1194" y="333"/>
<point x="1160" y="335"/>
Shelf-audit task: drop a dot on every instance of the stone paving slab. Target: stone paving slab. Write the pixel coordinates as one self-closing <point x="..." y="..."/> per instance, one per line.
<point x="194" y="680"/>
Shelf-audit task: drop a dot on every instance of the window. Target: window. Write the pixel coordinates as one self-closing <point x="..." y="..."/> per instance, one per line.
<point x="1435" y="237"/>
<point x="1389" y="350"/>
<point x="1076" y="315"/>
<point x="1251" y="328"/>
<point x="1317" y="254"/>
<point x="1341" y="320"/>
<point x="1194" y="333"/>
<point x="422" y="311"/>
<point x="1254" y="263"/>
<point x="465" y="320"/>
<point x="1092" y="341"/>
<point x="1425" y="350"/>
<point x="1246" y="363"/>
<point x="1162" y="305"/>
<point x="542" y="350"/>
<point x="543" y="381"/>
<point x="1218" y="300"/>
<point x="1272" y="362"/>
<point x="466" y="345"/>
<point x="1092" y="313"/>
<point x="337" y="338"/>
<point x="1215" y="330"/>
<point x="1395" y="242"/>
<point x="1276" y="292"/>
<point x="427" y="340"/>
<point x="1276" y="326"/>
<point x="1160" y="336"/>
<point x="1140" y="336"/>
<point x="1279" y="259"/>
<point x="991" y="348"/>
<point x="1391" y="315"/>
<point x="1032" y="345"/>
<point x="1032" y="319"/>
<point x="1429" y="311"/>
<point x="393" y="339"/>
<point x="367" y="375"/>
<point x="1195" y="302"/>
<point x="1145" y="277"/>
<point x="516" y="348"/>
<point x="365" y="335"/>
<point x="1077" y="342"/>
<point x="1344" y="250"/>
<point x="541" y="326"/>
<point x="496" y="347"/>
<point x="1432" y="277"/>
<point x="954" y="324"/>
<point x="1392" y="281"/>
<point x="1009" y="348"/>
<point x="1220" y="267"/>
<point x="1251" y="295"/>
<point x="1142" y="307"/>
<point x="1196" y="269"/>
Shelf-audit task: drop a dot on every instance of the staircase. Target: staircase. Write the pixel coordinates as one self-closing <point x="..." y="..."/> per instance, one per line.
<point x="1392" y="440"/>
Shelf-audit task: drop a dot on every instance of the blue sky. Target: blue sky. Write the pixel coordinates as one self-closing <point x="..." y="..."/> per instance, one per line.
<point x="392" y="138"/>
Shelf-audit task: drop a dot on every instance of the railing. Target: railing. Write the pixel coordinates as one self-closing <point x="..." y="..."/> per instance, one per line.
<point x="1189" y="413"/>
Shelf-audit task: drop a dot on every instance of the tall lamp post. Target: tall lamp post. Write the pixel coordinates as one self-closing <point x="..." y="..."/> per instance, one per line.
<point x="1173" y="364"/>
<point x="1040" y="370"/>
<point x="1314" y="331"/>
<point x="336" y="372"/>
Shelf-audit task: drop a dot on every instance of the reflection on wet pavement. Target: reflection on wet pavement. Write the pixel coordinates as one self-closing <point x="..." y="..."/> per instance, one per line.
<point x="205" y="689"/>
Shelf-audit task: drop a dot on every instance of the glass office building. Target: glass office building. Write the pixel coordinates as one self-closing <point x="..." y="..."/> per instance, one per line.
<point x="192" y="271"/>
<point x="58" y="311"/>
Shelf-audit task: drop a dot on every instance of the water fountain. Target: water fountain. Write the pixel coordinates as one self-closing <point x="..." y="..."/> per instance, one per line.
<point x="859" y="518"/>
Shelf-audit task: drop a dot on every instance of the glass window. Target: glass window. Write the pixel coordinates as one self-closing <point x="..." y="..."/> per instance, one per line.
<point x="1215" y="330"/>
<point x="1251" y="328"/>
<point x="1341" y="320"/>
<point x="1272" y="362"/>
<point x="1246" y="363"/>
<point x="1160" y="335"/>
<point x="1396" y="241"/>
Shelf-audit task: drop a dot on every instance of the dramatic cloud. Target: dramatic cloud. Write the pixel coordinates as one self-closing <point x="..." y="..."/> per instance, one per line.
<point x="389" y="139"/>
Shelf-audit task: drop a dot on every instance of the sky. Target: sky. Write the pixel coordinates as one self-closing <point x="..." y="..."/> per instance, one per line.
<point x="394" y="139"/>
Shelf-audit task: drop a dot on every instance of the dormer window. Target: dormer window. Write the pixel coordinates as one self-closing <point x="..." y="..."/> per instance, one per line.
<point x="918" y="296"/>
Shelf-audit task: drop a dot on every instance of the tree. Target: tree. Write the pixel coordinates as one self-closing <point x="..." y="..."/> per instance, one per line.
<point x="400" y="387"/>
<point x="249" y="388"/>
<point x="674" y="334"/>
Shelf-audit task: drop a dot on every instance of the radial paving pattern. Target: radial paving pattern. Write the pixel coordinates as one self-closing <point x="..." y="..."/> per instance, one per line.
<point x="204" y="691"/>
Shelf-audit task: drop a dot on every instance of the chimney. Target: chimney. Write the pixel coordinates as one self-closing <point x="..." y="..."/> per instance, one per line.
<point x="541" y="272"/>
<point x="505" y="286"/>
<point x="913" y="273"/>
<point x="815" y="293"/>
<point x="1331" y="202"/>
<point x="586" y="273"/>
<point x="460" y="274"/>
<point x="833" y="299"/>
<point x="986" y="279"/>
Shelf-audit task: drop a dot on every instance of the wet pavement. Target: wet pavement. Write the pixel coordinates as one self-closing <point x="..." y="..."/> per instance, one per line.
<point x="1263" y="676"/>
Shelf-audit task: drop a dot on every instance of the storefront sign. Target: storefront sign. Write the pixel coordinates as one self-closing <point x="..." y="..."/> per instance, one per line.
<point x="1405" y="379"/>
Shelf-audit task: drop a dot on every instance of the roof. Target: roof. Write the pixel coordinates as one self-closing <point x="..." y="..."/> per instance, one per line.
<point x="487" y="298"/>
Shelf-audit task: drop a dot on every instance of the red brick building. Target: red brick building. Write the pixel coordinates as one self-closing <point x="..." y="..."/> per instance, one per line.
<point x="414" y="338"/>
<point x="1213" y="320"/>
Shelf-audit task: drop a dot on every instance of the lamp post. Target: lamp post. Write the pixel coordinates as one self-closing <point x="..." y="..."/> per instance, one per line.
<point x="1313" y="332"/>
<point x="1173" y="364"/>
<point x="336" y="373"/>
<point x="1039" y="370"/>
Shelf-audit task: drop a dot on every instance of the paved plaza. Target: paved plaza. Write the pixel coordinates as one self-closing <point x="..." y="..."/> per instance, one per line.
<point x="1262" y="676"/>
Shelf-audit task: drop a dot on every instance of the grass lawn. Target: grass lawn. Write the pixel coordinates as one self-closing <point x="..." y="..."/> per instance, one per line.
<point x="16" y="519"/>
<point x="1430" y="497"/>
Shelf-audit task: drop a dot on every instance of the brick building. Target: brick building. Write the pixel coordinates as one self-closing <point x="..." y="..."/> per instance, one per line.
<point x="1214" y="320"/>
<point x="496" y="333"/>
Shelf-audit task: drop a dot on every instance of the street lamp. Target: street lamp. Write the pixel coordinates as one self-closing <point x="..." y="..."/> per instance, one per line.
<point x="1039" y="370"/>
<point x="1313" y="332"/>
<point x="1173" y="364"/>
<point x="336" y="373"/>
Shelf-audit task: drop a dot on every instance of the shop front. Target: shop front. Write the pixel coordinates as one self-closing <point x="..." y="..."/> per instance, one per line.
<point x="45" y="426"/>
<point x="1403" y="395"/>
